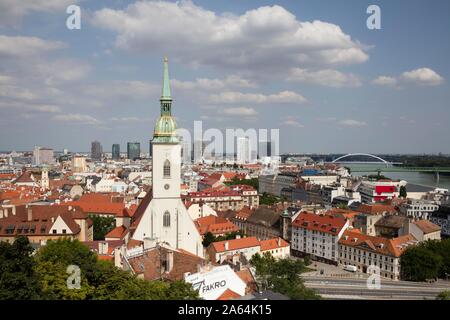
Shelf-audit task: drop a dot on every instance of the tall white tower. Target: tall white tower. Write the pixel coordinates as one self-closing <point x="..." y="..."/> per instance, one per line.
<point x="166" y="218"/>
<point x="45" y="182"/>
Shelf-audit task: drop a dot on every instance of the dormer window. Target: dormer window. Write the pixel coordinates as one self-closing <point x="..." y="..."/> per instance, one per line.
<point x="166" y="169"/>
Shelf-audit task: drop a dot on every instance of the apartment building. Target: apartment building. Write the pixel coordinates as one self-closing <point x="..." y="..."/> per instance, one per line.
<point x="361" y="250"/>
<point x="317" y="235"/>
<point x="418" y="209"/>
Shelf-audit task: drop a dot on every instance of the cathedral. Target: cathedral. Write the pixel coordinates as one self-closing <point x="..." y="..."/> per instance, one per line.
<point x="165" y="218"/>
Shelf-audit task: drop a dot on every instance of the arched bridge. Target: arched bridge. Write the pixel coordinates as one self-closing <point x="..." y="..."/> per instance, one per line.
<point x="361" y="154"/>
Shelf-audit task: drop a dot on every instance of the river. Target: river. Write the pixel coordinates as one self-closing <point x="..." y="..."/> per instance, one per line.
<point x="425" y="179"/>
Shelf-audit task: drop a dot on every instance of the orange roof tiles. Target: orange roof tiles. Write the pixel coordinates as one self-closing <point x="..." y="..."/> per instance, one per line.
<point x="377" y="208"/>
<point x="319" y="222"/>
<point x="235" y="244"/>
<point x="272" y="244"/>
<point x="393" y="247"/>
<point x="215" y="225"/>
<point x="117" y="233"/>
<point x="228" y="295"/>
<point x="427" y="226"/>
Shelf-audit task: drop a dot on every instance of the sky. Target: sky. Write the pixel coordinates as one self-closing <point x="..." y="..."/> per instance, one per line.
<point x="312" y="69"/>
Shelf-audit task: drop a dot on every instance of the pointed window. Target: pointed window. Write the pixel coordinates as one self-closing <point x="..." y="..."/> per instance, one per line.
<point x="166" y="219"/>
<point x="166" y="169"/>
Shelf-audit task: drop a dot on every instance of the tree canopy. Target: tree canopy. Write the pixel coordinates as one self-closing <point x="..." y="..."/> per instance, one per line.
<point x="44" y="275"/>
<point x="428" y="260"/>
<point x="283" y="276"/>
<point x="102" y="225"/>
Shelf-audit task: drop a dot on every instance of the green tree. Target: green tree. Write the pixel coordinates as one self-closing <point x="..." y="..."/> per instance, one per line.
<point x="208" y="239"/>
<point x="283" y="276"/>
<point x="17" y="277"/>
<point x="102" y="225"/>
<point x="444" y="295"/>
<point x="419" y="264"/>
<point x="53" y="278"/>
<point x="402" y="192"/>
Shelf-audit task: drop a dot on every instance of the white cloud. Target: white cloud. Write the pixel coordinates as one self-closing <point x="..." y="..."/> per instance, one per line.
<point x="260" y="40"/>
<point x="352" y="123"/>
<point x="239" y="97"/>
<point x="213" y="84"/>
<point x="62" y="70"/>
<point x="325" y="77"/>
<point x="26" y="46"/>
<point x="12" y="11"/>
<point x="76" y="118"/>
<point x="291" y="121"/>
<point x="240" y="111"/>
<point x="385" y="81"/>
<point x="422" y="76"/>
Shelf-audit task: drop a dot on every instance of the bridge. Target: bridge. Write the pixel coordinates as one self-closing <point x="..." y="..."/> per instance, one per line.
<point x="380" y="160"/>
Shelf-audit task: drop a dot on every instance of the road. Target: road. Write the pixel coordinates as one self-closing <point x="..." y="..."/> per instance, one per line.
<point x="351" y="288"/>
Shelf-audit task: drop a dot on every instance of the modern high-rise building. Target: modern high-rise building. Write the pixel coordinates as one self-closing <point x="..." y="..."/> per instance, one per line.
<point x="116" y="151"/>
<point x="43" y="156"/>
<point x="198" y="151"/>
<point x="243" y="150"/>
<point x="186" y="152"/>
<point x="96" y="150"/>
<point x="264" y="149"/>
<point x="133" y="150"/>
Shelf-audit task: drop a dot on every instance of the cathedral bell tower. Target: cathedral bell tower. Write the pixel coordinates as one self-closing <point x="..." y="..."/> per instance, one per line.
<point x="165" y="219"/>
<point x="166" y="147"/>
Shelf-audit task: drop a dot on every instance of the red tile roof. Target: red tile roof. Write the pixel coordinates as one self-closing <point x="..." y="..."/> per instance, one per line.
<point x="117" y="233"/>
<point x="319" y="222"/>
<point x="272" y="244"/>
<point x="427" y="226"/>
<point x="215" y="225"/>
<point x="228" y="295"/>
<point x="235" y="244"/>
<point x="392" y="247"/>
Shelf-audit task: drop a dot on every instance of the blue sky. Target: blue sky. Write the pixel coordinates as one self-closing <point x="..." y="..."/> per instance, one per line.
<point x="310" y="68"/>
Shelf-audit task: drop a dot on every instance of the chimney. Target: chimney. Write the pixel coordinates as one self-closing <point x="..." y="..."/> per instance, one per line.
<point x="29" y="213"/>
<point x="279" y="241"/>
<point x="226" y="245"/>
<point x="103" y="248"/>
<point x="169" y="261"/>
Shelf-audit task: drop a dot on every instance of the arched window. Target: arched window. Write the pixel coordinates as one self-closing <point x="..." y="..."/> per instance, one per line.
<point x="166" y="219"/>
<point x="166" y="169"/>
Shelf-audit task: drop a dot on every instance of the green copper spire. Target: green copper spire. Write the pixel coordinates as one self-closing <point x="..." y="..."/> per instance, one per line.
<point x="165" y="128"/>
<point x="165" y="94"/>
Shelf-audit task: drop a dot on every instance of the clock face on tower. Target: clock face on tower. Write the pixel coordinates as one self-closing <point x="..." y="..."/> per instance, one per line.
<point x="166" y="186"/>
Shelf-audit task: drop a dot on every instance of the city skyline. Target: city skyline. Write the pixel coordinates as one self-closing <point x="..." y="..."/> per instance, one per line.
<point x="337" y="88"/>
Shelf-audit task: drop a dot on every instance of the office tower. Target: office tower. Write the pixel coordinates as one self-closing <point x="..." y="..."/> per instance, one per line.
<point x="133" y="150"/>
<point x="116" y="151"/>
<point x="243" y="150"/>
<point x="186" y="151"/>
<point x="96" y="150"/>
<point x="198" y="151"/>
<point x="264" y="149"/>
<point x="43" y="156"/>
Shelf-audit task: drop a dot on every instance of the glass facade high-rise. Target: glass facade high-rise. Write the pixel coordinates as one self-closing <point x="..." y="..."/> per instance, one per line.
<point x="96" y="150"/>
<point x="133" y="150"/>
<point x="116" y="151"/>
